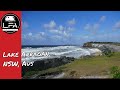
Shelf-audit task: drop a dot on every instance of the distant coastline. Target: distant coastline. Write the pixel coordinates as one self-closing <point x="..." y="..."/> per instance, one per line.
<point x="89" y="44"/>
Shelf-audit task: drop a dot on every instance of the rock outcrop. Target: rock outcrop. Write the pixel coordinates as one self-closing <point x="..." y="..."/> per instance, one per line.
<point x="100" y="45"/>
<point x="47" y="63"/>
<point x="88" y="44"/>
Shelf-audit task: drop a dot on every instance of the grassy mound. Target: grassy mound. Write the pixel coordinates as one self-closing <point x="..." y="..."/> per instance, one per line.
<point x="92" y="66"/>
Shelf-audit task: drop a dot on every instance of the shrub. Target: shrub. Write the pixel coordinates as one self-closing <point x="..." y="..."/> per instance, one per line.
<point x="115" y="72"/>
<point x="107" y="51"/>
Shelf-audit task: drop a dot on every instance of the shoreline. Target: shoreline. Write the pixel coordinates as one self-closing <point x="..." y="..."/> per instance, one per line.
<point x="53" y="63"/>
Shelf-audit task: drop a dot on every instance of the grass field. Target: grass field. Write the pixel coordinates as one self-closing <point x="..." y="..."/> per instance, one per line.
<point x="93" y="66"/>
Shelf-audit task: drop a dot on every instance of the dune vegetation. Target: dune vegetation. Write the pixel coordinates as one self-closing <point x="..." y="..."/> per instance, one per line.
<point x="91" y="66"/>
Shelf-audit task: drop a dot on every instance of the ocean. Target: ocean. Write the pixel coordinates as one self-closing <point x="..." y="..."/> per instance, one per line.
<point x="41" y="52"/>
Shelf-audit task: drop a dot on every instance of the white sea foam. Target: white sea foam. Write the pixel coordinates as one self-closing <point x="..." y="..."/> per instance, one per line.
<point x="69" y="51"/>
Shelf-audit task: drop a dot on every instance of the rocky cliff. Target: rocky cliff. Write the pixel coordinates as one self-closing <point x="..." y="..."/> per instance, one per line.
<point x="47" y="63"/>
<point x="100" y="45"/>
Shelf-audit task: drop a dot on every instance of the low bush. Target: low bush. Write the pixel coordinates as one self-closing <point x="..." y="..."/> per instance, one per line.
<point x="107" y="51"/>
<point x="115" y="72"/>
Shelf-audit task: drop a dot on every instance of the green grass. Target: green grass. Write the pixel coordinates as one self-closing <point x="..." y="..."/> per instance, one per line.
<point x="99" y="65"/>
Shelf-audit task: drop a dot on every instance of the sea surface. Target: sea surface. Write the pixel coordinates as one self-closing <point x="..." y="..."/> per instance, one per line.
<point x="54" y="51"/>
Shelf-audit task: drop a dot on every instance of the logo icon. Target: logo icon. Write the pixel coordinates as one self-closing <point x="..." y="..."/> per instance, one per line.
<point x="10" y="23"/>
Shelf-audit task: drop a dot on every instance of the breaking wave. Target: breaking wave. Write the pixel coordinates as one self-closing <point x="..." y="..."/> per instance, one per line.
<point x="56" y="52"/>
